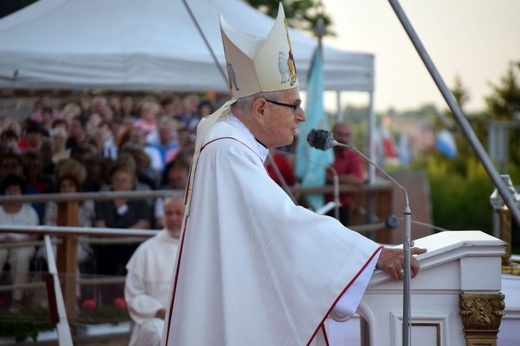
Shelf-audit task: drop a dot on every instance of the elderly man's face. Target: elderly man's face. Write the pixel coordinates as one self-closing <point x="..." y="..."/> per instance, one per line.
<point x="282" y="121"/>
<point x="173" y="214"/>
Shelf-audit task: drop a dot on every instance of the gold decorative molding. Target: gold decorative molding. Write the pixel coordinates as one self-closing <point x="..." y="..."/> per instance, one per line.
<point x="481" y="315"/>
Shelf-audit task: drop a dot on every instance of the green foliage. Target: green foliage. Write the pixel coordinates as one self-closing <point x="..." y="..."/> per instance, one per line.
<point x="505" y="100"/>
<point x="300" y="14"/>
<point x="460" y="201"/>
<point x="25" y="324"/>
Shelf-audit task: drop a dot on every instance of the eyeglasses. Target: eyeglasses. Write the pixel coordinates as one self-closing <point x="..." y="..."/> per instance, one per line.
<point x="294" y="106"/>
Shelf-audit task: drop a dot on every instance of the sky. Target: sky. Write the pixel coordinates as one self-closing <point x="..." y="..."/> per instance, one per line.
<point x="474" y="39"/>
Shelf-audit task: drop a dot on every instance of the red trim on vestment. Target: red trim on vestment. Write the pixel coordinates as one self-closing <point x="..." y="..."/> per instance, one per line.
<point x="175" y="282"/>
<point x="174" y="289"/>
<point x="341" y="294"/>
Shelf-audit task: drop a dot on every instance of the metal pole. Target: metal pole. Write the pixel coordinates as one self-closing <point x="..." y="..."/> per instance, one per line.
<point x="456" y="111"/>
<point x="205" y="41"/>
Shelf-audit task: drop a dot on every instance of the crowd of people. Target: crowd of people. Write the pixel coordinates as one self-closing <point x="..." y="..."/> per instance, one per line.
<point x="99" y="143"/>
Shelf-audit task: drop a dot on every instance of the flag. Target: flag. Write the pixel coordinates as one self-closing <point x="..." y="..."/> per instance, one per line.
<point x="311" y="164"/>
<point x="445" y="143"/>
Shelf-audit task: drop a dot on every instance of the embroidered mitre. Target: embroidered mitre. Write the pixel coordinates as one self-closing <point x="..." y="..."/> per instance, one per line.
<point x="258" y="65"/>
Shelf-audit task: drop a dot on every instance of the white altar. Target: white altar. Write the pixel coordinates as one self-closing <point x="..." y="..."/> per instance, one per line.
<point x="457" y="295"/>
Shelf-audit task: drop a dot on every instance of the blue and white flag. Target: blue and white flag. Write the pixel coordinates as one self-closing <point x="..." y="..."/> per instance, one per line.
<point x="311" y="164"/>
<point x="445" y="143"/>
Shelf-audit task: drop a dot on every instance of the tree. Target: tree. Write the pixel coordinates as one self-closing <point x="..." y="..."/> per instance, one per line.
<point x="300" y="14"/>
<point x="504" y="105"/>
<point x="505" y="100"/>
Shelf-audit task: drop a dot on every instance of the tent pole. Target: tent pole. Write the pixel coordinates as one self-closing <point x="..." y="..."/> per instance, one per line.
<point x="206" y="42"/>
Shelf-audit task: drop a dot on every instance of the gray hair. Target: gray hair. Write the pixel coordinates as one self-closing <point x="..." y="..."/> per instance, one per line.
<point x="244" y="103"/>
<point x="174" y="195"/>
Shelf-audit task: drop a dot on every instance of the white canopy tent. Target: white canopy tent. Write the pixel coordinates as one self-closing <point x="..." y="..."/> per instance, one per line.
<point x="150" y="45"/>
<point x="144" y="45"/>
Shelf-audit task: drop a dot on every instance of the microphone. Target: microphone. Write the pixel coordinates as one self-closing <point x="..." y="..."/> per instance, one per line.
<point x="324" y="140"/>
<point x="321" y="139"/>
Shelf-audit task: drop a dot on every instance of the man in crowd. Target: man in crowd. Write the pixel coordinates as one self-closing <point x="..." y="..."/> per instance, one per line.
<point x="350" y="169"/>
<point x="253" y="268"/>
<point x="147" y="287"/>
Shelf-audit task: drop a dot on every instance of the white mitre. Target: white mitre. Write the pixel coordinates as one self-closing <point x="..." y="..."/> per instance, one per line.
<point x="254" y="65"/>
<point x="258" y="65"/>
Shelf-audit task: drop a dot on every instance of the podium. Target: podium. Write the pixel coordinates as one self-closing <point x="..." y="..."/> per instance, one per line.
<point x="456" y="298"/>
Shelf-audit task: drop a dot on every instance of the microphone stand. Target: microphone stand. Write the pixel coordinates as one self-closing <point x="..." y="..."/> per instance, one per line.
<point x="407" y="243"/>
<point x="280" y="177"/>
<point x="335" y="180"/>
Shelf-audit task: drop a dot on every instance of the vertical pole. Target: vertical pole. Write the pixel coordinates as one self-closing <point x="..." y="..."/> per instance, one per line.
<point x="67" y="257"/>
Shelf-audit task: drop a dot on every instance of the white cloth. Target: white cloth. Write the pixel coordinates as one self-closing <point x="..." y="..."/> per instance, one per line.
<point x="147" y="286"/>
<point x="26" y="216"/>
<point x="18" y="257"/>
<point x="253" y="267"/>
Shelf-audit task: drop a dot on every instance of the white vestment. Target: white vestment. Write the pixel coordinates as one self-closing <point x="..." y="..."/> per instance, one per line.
<point x="147" y="286"/>
<point x="254" y="268"/>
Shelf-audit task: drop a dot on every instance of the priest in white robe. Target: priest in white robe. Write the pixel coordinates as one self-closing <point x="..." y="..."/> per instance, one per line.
<point x="150" y="271"/>
<point x="253" y="268"/>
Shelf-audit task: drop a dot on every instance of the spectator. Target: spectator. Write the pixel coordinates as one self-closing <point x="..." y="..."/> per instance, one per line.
<point x="148" y="120"/>
<point x="78" y="134"/>
<point x="137" y="135"/>
<point x="59" y="138"/>
<point x="350" y="169"/>
<point x="144" y="171"/>
<point x="94" y="119"/>
<point x="171" y="106"/>
<point x="70" y="167"/>
<point x="70" y="183"/>
<point x="188" y="116"/>
<point x="70" y="111"/>
<point x="175" y="177"/>
<point x="204" y="109"/>
<point x="149" y="275"/>
<point x="119" y="213"/>
<point x="168" y="145"/>
<point x="40" y="103"/>
<point x="12" y="164"/>
<point x="85" y="105"/>
<point x="127" y="107"/>
<point x="9" y="139"/>
<point x="17" y="213"/>
<point x="97" y="169"/>
<point x="106" y="140"/>
<point x="82" y="152"/>
<point x="47" y="164"/>
<point x="33" y="172"/>
<point x="47" y="118"/>
<point x="114" y="103"/>
<point x="31" y="138"/>
<point x="10" y="123"/>
<point x="98" y="103"/>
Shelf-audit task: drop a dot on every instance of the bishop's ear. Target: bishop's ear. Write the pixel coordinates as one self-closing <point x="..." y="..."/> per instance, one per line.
<point x="260" y="108"/>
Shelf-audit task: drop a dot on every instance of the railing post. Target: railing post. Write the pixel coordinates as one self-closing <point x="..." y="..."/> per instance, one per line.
<point x="67" y="256"/>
